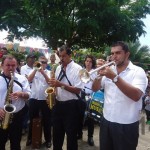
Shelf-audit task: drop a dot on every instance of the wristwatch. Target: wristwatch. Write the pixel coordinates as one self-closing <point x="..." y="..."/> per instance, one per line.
<point x="62" y="87"/>
<point x="115" y="78"/>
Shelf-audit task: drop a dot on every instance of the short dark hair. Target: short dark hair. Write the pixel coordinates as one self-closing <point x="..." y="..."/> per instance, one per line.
<point x="8" y="57"/>
<point x="65" y="48"/>
<point x="30" y="55"/>
<point x="93" y="61"/>
<point x="122" y="44"/>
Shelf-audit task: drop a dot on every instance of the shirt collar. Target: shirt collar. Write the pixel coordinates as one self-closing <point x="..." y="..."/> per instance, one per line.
<point x="28" y="67"/>
<point x="70" y="64"/>
<point x="130" y="66"/>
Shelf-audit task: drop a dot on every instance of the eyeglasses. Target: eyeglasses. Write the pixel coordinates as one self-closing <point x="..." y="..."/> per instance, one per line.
<point x="44" y="62"/>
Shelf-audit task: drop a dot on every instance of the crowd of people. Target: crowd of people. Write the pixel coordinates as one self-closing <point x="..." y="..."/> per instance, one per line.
<point x="123" y="84"/>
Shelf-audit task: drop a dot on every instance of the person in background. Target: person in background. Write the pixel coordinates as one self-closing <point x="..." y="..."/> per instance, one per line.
<point x="52" y="65"/>
<point x="20" y="93"/>
<point x="89" y="65"/>
<point x="124" y="86"/>
<point x="28" y="67"/>
<point x="147" y="107"/>
<point x="65" y="111"/>
<point x="25" y="70"/>
<point x="4" y="51"/>
<point x="37" y="104"/>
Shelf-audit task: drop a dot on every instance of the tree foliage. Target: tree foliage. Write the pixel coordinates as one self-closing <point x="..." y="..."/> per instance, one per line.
<point x="87" y="23"/>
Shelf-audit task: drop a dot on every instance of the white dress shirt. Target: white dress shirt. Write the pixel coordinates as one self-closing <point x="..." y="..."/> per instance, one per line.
<point x="19" y="103"/>
<point x="39" y="85"/>
<point x="72" y="72"/>
<point x="117" y="106"/>
<point x="25" y="70"/>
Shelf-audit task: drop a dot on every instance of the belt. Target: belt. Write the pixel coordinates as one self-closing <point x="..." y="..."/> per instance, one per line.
<point x="22" y="111"/>
<point x="66" y="102"/>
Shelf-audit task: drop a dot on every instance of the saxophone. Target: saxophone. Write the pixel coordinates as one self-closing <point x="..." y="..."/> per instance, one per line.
<point x="9" y="108"/>
<point x="50" y="91"/>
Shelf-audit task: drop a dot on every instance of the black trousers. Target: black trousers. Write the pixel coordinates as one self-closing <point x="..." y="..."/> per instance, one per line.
<point x="147" y="115"/>
<point x="89" y="122"/>
<point x="82" y="107"/>
<point x="114" y="136"/>
<point x="14" y="131"/>
<point x="35" y="108"/>
<point x="65" y="120"/>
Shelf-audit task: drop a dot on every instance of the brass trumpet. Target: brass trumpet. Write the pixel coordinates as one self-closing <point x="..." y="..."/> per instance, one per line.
<point x="37" y="65"/>
<point x="85" y="75"/>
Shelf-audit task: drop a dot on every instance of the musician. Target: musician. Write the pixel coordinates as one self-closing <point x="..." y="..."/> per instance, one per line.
<point x="21" y="92"/>
<point x="37" y="104"/>
<point x="28" y="67"/>
<point x="65" y="112"/>
<point x="124" y="86"/>
<point x="89" y="64"/>
<point x="25" y="70"/>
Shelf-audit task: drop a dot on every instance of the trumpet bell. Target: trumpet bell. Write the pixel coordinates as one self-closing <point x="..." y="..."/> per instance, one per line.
<point x="9" y="108"/>
<point x="37" y="65"/>
<point x="84" y="76"/>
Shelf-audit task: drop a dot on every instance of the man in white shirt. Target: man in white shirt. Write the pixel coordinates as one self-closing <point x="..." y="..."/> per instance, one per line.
<point x="26" y="69"/>
<point x="65" y="112"/>
<point x="37" y="104"/>
<point x="124" y="86"/>
<point x="17" y="96"/>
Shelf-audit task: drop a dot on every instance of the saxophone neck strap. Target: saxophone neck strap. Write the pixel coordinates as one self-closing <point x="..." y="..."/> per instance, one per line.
<point x="8" y="81"/>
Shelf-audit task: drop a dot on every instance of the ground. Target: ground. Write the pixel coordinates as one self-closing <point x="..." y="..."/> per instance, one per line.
<point x="143" y="144"/>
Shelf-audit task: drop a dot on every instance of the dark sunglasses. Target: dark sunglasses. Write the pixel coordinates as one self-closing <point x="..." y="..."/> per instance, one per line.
<point x="43" y="62"/>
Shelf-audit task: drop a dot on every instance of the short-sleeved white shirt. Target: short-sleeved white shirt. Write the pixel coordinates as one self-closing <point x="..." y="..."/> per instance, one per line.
<point x="39" y="85"/>
<point x="117" y="106"/>
<point x="19" y="103"/>
<point x="72" y="72"/>
<point x="25" y="70"/>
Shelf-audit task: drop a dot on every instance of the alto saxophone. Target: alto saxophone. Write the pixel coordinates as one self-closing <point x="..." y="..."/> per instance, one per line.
<point x="50" y="91"/>
<point x="8" y="107"/>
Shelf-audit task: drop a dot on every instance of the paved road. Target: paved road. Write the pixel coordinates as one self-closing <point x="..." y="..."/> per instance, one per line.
<point x="143" y="144"/>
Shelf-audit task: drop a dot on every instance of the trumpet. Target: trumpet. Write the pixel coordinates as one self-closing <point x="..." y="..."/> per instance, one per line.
<point x="37" y="65"/>
<point x="85" y="75"/>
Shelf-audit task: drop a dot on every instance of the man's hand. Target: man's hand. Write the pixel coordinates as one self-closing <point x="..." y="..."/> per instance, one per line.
<point x="54" y="83"/>
<point x="2" y="113"/>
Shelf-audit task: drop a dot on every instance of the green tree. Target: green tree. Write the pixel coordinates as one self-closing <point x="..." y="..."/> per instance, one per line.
<point x="140" y="55"/>
<point x="89" y="23"/>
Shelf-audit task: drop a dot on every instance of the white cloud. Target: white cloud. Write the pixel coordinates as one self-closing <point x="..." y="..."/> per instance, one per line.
<point x="145" y="40"/>
<point x="31" y="42"/>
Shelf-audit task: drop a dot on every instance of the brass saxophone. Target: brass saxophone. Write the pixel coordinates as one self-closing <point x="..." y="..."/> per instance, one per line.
<point x="8" y="107"/>
<point x="50" y="91"/>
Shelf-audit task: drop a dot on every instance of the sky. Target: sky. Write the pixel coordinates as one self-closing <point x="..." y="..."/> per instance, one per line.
<point x="146" y="40"/>
<point x="39" y="43"/>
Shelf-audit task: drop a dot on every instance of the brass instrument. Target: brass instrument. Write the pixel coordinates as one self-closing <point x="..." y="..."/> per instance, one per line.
<point x="8" y="107"/>
<point x="37" y="65"/>
<point x="85" y="75"/>
<point x="50" y="91"/>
